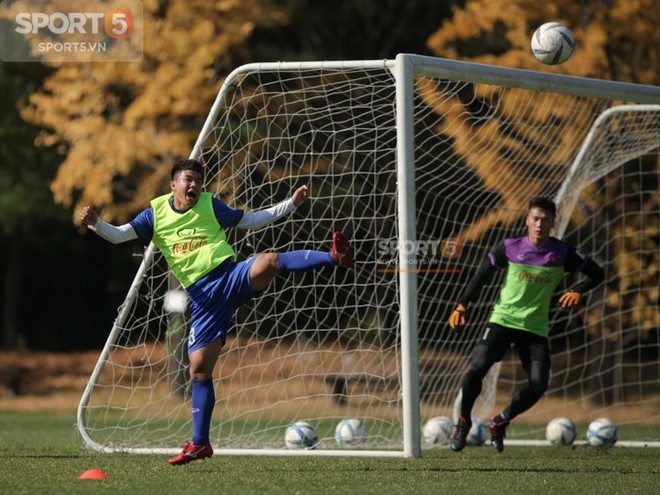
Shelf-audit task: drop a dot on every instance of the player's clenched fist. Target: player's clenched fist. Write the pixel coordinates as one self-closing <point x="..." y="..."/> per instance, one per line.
<point x="457" y="318"/>
<point x="300" y="196"/>
<point x="88" y="215"/>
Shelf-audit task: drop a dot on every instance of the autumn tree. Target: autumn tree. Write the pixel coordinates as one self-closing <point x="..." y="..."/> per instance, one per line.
<point x="121" y="125"/>
<point x="118" y="126"/>
<point x="615" y="40"/>
<point x="498" y="32"/>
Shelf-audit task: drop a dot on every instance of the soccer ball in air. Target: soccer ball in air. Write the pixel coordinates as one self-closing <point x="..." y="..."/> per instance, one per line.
<point x="350" y="431"/>
<point x="301" y="435"/>
<point x="477" y="434"/>
<point x="175" y="301"/>
<point x="561" y="431"/>
<point x="437" y="430"/>
<point x="602" y="432"/>
<point x="552" y="43"/>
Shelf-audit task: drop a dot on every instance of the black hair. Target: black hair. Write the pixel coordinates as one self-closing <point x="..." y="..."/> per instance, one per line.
<point x="188" y="164"/>
<point x="544" y="203"/>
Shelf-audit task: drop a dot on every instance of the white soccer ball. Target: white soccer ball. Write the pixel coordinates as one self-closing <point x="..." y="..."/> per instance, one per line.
<point x="602" y="432"/>
<point x="301" y="435"/>
<point x="477" y="435"/>
<point x="175" y="301"/>
<point x="552" y="43"/>
<point x="350" y="431"/>
<point x="437" y="430"/>
<point x="561" y="431"/>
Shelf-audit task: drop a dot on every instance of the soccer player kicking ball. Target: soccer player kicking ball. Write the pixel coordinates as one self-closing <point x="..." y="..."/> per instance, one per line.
<point x="535" y="264"/>
<point x="189" y="227"/>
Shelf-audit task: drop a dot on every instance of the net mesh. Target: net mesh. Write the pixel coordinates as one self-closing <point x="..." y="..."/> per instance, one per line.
<point x="325" y="345"/>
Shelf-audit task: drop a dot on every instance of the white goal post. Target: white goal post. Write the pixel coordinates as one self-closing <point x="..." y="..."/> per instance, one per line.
<point x="426" y="163"/>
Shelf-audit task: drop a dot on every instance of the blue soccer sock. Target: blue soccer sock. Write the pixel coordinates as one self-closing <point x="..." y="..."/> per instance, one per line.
<point x="203" y="402"/>
<point x="302" y="261"/>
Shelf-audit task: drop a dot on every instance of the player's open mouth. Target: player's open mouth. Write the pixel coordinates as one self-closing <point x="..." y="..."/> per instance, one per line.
<point x="191" y="195"/>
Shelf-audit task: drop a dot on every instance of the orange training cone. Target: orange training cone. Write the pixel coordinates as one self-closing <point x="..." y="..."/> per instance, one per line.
<point x="93" y="474"/>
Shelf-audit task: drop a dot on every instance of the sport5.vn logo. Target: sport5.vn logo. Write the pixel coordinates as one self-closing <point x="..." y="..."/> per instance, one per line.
<point x="66" y="31"/>
<point x="118" y="24"/>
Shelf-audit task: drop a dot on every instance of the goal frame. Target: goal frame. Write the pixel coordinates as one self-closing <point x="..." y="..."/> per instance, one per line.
<point x="404" y="67"/>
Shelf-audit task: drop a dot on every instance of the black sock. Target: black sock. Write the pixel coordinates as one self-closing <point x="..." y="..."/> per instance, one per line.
<point x="499" y="418"/>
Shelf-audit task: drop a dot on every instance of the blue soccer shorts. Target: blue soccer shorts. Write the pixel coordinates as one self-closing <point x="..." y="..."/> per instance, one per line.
<point x="215" y="298"/>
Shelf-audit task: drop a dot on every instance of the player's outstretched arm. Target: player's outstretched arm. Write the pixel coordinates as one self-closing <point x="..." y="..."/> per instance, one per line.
<point x="261" y="218"/>
<point x="112" y="233"/>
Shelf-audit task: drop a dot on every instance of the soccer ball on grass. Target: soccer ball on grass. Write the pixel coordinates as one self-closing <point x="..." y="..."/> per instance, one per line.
<point x="602" y="433"/>
<point x="301" y="435"/>
<point x="561" y="431"/>
<point x="350" y="431"/>
<point x="437" y="430"/>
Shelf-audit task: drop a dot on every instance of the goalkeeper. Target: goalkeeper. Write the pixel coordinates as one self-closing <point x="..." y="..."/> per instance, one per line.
<point x="189" y="228"/>
<point x="535" y="264"/>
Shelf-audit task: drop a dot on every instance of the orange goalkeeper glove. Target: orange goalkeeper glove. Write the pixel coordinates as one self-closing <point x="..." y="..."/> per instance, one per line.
<point x="570" y="299"/>
<point x="457" y="318"/>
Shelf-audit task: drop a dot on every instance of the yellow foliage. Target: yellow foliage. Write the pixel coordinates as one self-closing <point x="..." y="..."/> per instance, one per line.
<point x="614" y="40"/>
<point x="617" y="40"/>
<point x="471" y="34"/>
<point x="122" y="125"/>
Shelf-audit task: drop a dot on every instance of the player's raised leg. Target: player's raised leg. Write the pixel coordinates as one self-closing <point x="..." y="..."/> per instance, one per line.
<point x="262" y="270"/>
<point x="267" y="266"/>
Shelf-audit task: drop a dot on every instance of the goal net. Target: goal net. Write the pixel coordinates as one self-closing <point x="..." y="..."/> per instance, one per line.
<point x="426" y="164"/>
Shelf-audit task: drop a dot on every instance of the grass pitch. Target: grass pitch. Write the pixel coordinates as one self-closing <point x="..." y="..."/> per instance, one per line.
<point x="42" y="454"/>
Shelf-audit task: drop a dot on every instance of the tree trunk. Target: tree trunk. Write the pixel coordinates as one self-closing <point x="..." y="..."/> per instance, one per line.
<point x="12" y="293"/>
